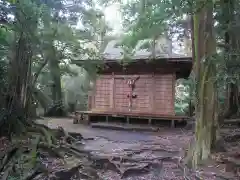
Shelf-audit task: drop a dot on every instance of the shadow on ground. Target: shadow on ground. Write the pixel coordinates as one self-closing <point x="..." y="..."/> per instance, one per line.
<point x="140" y="155"/>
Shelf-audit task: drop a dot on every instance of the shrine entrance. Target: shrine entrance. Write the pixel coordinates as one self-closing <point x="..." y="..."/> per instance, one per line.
<point x="132" y="93"/>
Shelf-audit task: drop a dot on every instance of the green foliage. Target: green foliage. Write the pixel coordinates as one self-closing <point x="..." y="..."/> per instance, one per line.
<point x="76" y="87"/>
<point x="53" y="41"/>
<point x="151" y="19"/>
<point x="3" y="78"/>
<point x="59" y="41"/>
<point x="182" y="96"/>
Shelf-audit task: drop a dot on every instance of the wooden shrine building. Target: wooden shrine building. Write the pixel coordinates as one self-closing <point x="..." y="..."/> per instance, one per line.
<point x="143" y="88"/>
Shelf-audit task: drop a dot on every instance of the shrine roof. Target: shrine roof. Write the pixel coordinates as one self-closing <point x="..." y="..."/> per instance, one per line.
<point x="163" y="49"/>
<point x="142" y="59"/>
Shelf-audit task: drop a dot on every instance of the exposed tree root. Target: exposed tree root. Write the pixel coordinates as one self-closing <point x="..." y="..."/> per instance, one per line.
<point x="128" y="166"/>
<point x="105" y="163"/>
<point x="39" y="141"/>
<point x="33" y="174"/>
<point x="135" y="171"/>
<point x="67" y="174"/>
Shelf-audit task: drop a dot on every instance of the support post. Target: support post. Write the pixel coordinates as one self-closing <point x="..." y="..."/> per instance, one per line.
<point x="88" y="119"/>
<point x="112" y="92"/>
<point x="107" y="119"/>
<point x="172" y="124"/>
<point x="150" y="121"/>
<point x="152" y="95"/>
<point x="127" y="119"/>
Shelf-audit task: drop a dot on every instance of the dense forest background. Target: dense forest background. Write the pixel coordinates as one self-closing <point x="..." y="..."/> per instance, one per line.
<point x="41" y="41"/>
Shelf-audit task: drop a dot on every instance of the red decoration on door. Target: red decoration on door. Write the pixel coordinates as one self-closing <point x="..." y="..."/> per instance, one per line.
<point x="131" y="95"/>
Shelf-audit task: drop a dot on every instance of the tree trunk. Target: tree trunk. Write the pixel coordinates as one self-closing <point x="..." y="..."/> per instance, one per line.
<point x="56" y="78"/>
<point x="72" y="107"/>
<point x="20" y="76"/>
<point x="232" y="101"/>
<point x="231" y="46"/>
<point x="17" y="100"/>
<point x="205" y="71"/>
<point x="57" y="108"/>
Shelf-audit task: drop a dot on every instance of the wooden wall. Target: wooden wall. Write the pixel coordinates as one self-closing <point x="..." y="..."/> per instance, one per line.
<point x="155" y="94"/>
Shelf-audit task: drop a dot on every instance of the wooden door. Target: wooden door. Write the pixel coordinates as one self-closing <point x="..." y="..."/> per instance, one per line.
<point x="142" y="91"/>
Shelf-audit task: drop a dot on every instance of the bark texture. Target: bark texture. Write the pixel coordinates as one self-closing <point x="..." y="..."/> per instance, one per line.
<point x="204" y="70"/>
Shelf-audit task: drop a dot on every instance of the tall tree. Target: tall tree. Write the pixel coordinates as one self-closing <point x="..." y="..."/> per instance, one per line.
<point x="205" y="73"/>
<point x="63" y="43"/>
<point x="26" y="16"/>
<point x="228" y="19"/>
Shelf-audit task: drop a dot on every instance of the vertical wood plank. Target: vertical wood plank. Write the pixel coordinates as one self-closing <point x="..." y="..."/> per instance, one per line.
<point x="173" y="92"/>
<point x="112" y="92"/>
<point x="89" y="107"/>
<point x="102" y="92"/>
<point x="93" y="94"/>
<point x="153" y="94"/>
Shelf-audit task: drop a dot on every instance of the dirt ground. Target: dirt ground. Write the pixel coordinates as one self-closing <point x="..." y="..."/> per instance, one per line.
<point x="163" y="150"/>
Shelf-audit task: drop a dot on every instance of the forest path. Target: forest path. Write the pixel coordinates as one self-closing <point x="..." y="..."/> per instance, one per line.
<point x="138" y="155"/>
